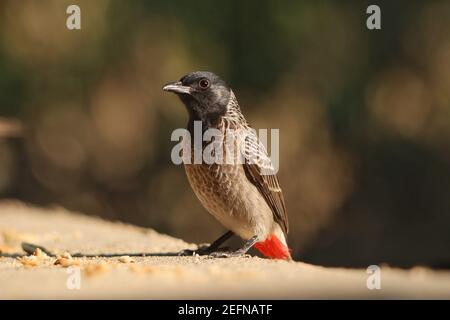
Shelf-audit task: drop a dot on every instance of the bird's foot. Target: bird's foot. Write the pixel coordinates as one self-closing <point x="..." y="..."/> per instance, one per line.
<point x="241" y="253"/>
<point x="229" y="254"/>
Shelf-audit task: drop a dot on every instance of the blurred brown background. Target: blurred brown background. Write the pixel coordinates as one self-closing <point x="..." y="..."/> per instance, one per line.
<point x="364" y="116"/>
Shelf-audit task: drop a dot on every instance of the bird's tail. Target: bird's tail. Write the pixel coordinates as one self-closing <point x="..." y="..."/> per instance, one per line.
<point x="274" y="248"/>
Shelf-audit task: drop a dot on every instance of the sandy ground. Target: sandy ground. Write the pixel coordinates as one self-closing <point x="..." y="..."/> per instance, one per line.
<point x="167" y="277"/>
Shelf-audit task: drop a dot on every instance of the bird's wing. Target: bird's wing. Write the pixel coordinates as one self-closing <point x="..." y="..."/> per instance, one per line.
<point x="260" y="171"/>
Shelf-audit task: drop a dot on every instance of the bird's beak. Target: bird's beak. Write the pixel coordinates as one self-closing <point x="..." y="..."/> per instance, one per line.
<point x="177" y="87"/>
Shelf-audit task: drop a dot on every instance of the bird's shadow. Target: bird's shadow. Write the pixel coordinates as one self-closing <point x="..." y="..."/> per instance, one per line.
<point x="30" y="248"/>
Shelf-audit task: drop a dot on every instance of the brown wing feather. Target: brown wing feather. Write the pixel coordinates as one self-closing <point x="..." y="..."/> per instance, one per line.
<point x="257" y="166"/>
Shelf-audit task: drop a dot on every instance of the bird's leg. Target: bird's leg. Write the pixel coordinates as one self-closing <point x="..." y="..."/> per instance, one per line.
<point x="238" y="253"/>
<point x="216" y="244"/>
<point x="204" y="250"/>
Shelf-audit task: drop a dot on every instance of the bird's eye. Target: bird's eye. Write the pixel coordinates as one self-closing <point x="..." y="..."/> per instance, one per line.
<point x="204" y="84"/>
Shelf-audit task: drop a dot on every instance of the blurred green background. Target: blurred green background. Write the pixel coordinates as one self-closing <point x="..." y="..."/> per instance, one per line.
<point x="364" y="116"/>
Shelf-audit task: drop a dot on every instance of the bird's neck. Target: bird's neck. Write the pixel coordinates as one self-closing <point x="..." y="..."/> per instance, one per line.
<point x="233" y="117"/>
<point x="234" y="114"/>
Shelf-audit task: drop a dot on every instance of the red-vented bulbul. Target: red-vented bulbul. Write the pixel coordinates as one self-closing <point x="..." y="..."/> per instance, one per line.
<point x="244" y="196"/>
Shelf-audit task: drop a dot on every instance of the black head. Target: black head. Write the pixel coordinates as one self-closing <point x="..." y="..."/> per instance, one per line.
<point x="205" y="95"/>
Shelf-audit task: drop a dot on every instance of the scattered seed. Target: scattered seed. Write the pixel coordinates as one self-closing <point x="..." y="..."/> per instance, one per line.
<point x="39" y="254"/>
<point x="126" y="259"/>
<point x="64" y="262"/>
<point x="66" y="255"/>
<point x="29" y="261"/>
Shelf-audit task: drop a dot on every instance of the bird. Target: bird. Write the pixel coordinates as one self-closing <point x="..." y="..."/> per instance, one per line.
<point x="244" y="196"/>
